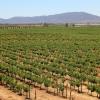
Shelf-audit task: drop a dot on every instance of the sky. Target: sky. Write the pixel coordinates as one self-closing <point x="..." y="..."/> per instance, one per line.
<point x="12" y="8"/>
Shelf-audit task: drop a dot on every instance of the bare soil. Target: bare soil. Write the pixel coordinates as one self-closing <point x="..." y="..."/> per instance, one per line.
<point x="6" y="94"/>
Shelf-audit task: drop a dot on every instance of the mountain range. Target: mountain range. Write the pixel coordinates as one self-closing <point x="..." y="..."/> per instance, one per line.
<point x="71" y="17"/>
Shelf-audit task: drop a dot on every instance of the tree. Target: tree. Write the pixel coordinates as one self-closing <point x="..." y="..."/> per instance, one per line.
<point x="66" y="89"/>
<point x="98" y="91"/>
<point x="0" y="79"/>
<point x="77" y="83"/>
<point x="45" y="25"/>
<point x="70" y="93"/>
<point x="92" y="87"/>
<point x="61" y="88"/>
<point x="19" y="88"/>
<point x="66" y="25"/>
<point x="54" y="86"/>
<point x="40" y="81"/>
<point x="35" y="95"/>
<point x="47" y="83"/>
<point x="73" y="25"/>
<point x="82" y="79"/>
<point x="26" y="89"/>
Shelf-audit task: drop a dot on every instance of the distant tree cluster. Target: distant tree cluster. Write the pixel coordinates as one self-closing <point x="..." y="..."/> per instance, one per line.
<point x="45" y="24"/>
<point x="69" y="25"/>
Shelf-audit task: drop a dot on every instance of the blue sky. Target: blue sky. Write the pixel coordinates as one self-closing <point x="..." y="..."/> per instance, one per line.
<point x="10" y="8"/>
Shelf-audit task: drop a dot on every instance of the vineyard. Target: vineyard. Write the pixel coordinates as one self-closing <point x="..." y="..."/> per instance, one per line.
<point x="56" y="59"/>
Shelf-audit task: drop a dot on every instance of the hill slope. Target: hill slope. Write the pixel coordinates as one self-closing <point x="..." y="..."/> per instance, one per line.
<point x="72" y="17"/>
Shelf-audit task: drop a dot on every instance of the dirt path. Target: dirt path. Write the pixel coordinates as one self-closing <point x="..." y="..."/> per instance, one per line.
<point x="6" y="94"/>
<point x="42" y="95"/>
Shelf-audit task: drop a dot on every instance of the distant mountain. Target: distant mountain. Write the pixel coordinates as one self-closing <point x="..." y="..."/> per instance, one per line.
<point x="72" y="17"/>
<point x="1" y="19"/>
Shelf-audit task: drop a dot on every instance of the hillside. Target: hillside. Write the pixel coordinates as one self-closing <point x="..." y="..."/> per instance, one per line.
<point x="72" y="17"/>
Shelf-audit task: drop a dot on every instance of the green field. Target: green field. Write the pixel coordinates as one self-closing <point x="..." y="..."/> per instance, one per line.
<point x="50" y="56"/>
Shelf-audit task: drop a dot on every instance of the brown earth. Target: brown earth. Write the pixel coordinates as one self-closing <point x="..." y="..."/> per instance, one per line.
<point x="6" y="94"/>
